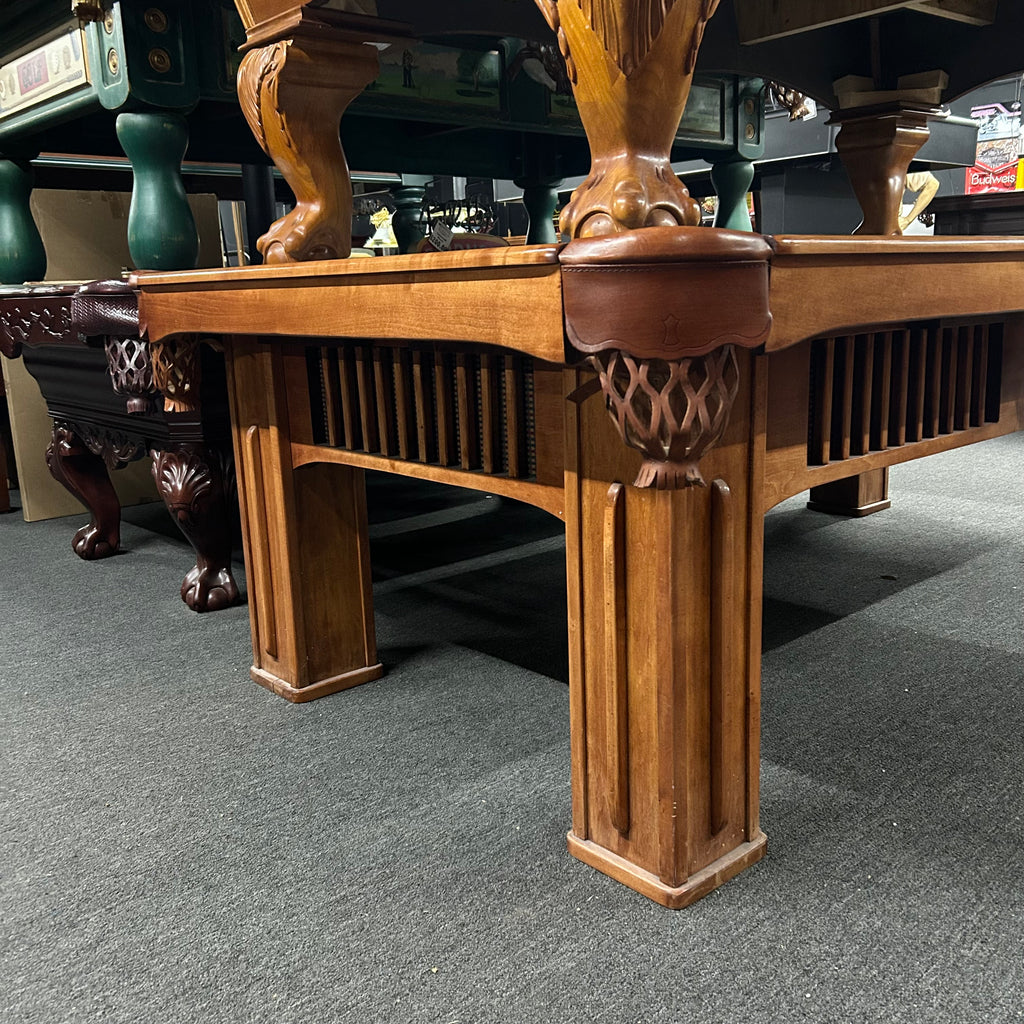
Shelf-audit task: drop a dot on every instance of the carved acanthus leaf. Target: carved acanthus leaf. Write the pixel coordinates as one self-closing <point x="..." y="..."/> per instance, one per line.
<point x="628" y="28"/>
<point x="258" y="71"/>
<point x="549" y="8"/>
<point x="183" y="478"/>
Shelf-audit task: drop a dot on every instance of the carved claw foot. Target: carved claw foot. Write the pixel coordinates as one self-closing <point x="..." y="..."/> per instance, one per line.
<point x="85" y="475"/>
<point x="91" y="543"/>
<point x="194" y="483"/>
<point x="309" y="232"/>
<point x="631" y="67"/>
<point x="619" y="195"/>
<point x="208" y="589"/>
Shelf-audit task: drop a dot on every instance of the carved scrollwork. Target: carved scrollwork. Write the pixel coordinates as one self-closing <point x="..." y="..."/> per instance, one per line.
<point x="672" y="411"/>
<point x="112" y="446"/>
<point x="549" y="8"/>
<point x="64" y="442"/>
<point x="258" y="68"/>
<point x="34" y="320"/>
<point x="708" y="9"/>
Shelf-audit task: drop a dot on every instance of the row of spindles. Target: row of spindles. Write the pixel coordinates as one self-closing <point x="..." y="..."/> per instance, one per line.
<point x="870" y="392"/>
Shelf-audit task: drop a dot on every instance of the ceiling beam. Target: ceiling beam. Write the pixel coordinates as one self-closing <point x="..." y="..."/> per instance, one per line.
<point x="970" y="12"/>
<point x="761" y="20"/>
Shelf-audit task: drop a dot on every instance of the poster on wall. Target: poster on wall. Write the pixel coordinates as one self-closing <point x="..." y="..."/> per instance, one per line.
<point x="997" y="166"/>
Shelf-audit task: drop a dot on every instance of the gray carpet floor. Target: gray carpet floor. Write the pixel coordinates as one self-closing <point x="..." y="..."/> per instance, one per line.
<point x="177" y="844"/>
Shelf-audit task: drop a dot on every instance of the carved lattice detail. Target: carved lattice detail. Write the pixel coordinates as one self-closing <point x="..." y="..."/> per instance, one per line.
<point x="672" y="411"/>
<point x="176" y="373"/>
<point x="131" y="372"/>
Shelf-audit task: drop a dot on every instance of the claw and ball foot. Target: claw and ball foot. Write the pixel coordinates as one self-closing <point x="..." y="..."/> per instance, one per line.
<point x="293" y="93"/>
<point x="191" y="480"/>
<point x="85" y="475"/>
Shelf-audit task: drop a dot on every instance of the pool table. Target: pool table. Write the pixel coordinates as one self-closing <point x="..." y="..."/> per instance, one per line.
<point x="656" y="385"/>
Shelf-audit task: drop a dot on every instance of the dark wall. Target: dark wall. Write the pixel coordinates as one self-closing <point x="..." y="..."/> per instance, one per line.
<point x="814" y="199"/>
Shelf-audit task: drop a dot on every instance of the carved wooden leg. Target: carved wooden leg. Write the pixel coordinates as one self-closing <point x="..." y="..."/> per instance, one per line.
<point x="876" y="151"/>
<point x="664" y="610"/>
<point x="631" y="72"/>
<point x="293" y="94"/>
<point x="306" y="541"/>
<point x="85" y="476"/>
<point x="855" y="496"/>
<point x="192" y="481"/>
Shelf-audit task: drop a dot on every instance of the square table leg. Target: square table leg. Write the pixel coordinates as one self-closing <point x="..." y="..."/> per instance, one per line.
<point x="665" y="618"/>
<point x="306" y="544"/>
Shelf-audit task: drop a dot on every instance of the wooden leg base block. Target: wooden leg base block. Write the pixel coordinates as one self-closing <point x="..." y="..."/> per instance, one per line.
<point x="674" y="897"/>
<point x="853" y="496"/>
<point x="846" y="510"/>
<point x="301" y="694"/>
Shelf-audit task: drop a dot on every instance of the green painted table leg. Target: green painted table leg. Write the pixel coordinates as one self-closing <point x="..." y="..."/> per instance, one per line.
<point x="161" y="230"/>
<point x="732" y="179"/>
<point x="540" y="197"/>
<point x="408" y="222"/>
<point x="22" y="256"/>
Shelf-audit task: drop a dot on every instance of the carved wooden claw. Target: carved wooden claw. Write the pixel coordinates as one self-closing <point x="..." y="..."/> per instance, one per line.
<point x="641" y="193"/>
<point x="293" y="93"/>
<point x="209" y="588"/>
<point x="309" y="232"/>
<point x="91" y="542"/>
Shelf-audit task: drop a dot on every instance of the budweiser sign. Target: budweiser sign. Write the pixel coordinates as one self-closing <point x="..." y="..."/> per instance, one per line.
<point x="999" y="143"/>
